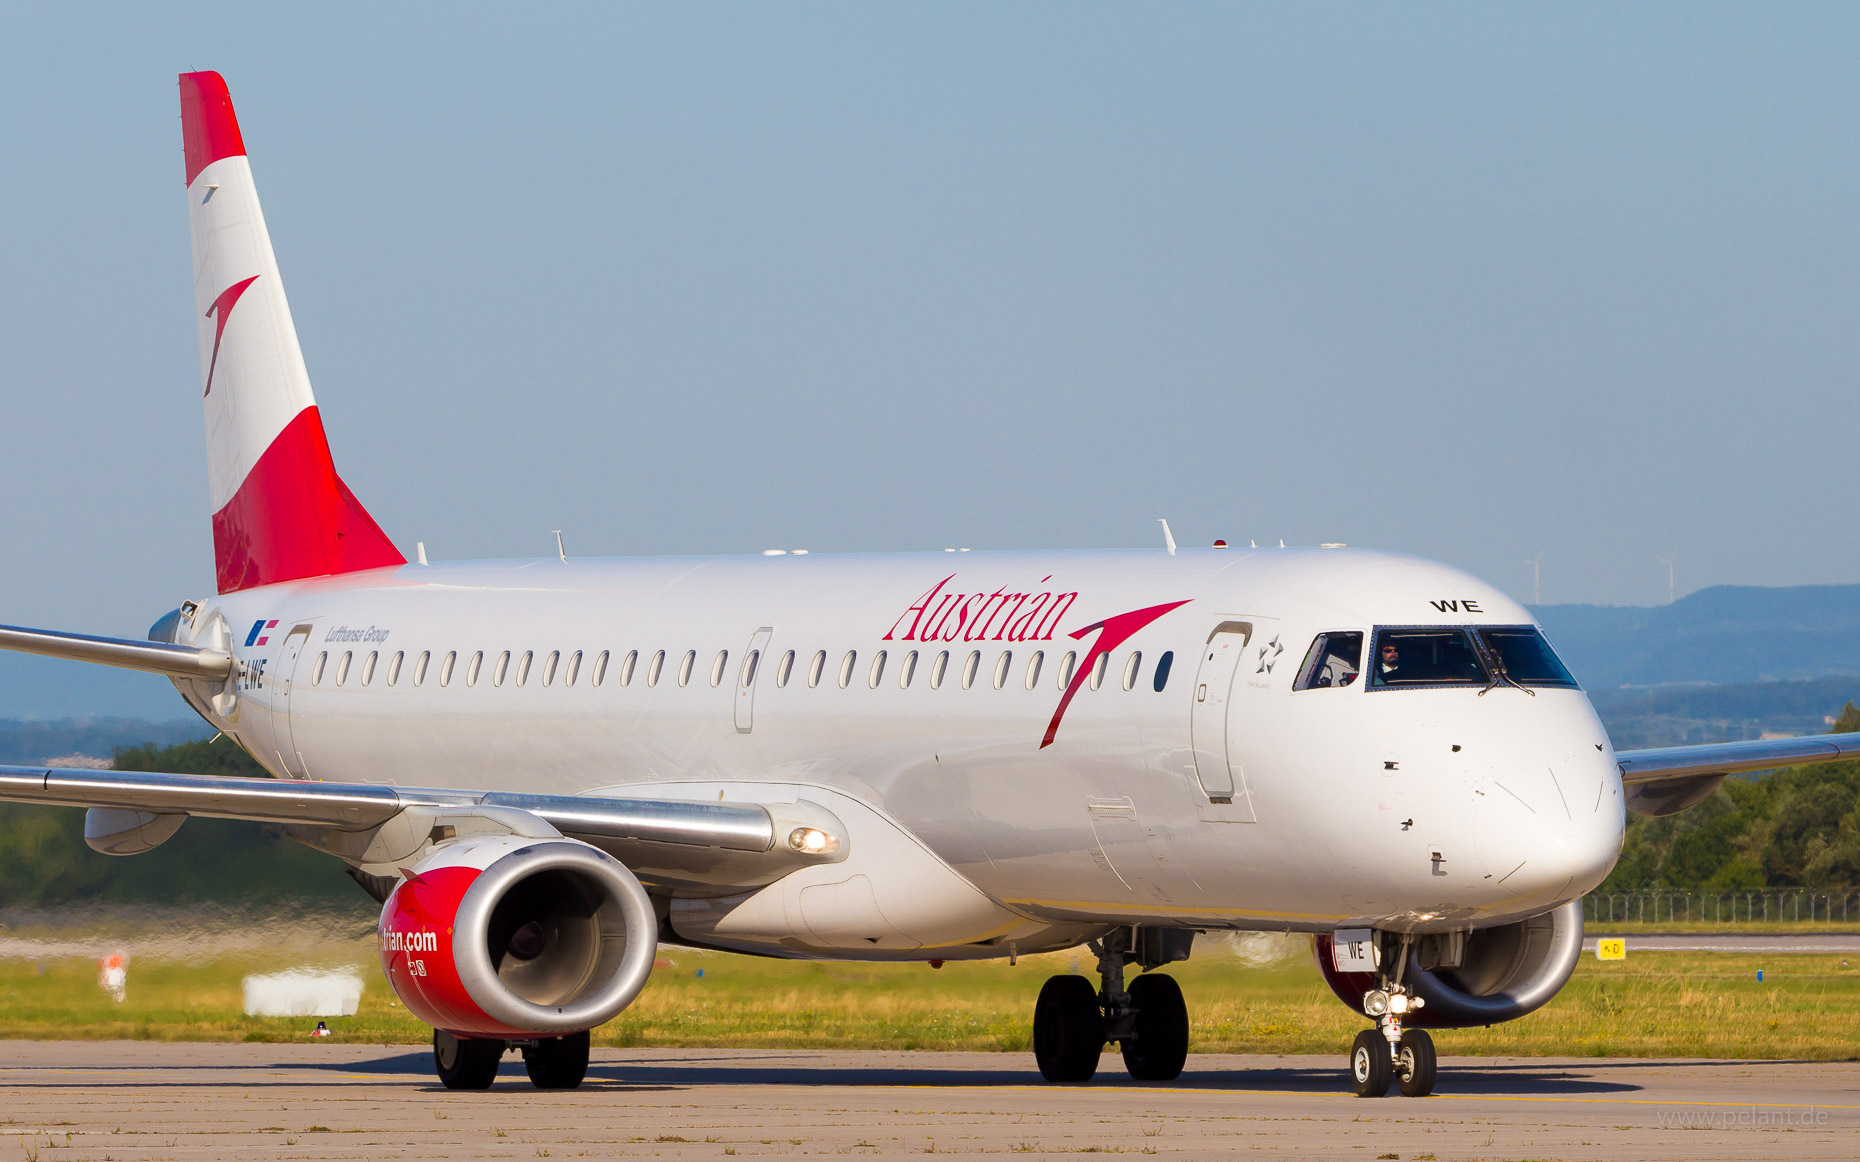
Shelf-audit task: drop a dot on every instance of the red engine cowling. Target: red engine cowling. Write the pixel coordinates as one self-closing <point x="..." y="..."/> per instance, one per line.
<point x="1505" y="973"/>
<point x="516" y="937"/>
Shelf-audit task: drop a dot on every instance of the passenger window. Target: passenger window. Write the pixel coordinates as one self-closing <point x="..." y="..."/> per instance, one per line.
<point x="878" y="671"/>
<point x="523" y="667"/>
<point x="627" y="665"/>
<point x="816" y="668"/>
<point x="785" y="670"/>
<point x="750" y="661"/>
<point x="1001" y="668"/>
<point x="716" y="667"/>
<point x="938" y="668"/>
<point x="497" y="672"/>
<point x="1098" y="669"/>
<point x="907" y="670"/>
<point x="1162" y="669"/>
<point x="574" y="668"/>
<point x="655" y="668"/>
<point x="477" y="664"/>
<point x="1066" y="665"/>
<point x="549" y="665"/>
<point x="1033" y="668"/>
<point x="1425" y="657"/>
<point x="316" y="673"/>
<point x="685" y="666"/>
<point x="394" y="667"/>
<point x="419" y="667"/>
<point x="1526" y="657"/>
<point x="846" y="668"/>
<point x="1130" y="669"/>
<point x="368" y="666"/>
<point x="342" y="667"/>
<point x="1335" y="659"/>
<point x="600" y="670"/>
<point x="445" y="667"/>
<point x="969" y="668"/>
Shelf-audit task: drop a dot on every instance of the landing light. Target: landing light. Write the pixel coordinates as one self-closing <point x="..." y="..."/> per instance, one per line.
<point x="813" y="841"/>
<point x="1375" y="1003"/>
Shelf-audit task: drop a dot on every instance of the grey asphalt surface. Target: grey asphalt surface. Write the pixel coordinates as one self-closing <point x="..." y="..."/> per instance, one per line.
<point x="128" y="1101"/>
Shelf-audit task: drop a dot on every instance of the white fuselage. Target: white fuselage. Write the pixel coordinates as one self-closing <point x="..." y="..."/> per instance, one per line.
<point x="1405" y="808"/>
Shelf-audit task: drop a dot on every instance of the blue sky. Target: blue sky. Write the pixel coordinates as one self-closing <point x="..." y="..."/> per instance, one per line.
<point x="1476" y="282"/>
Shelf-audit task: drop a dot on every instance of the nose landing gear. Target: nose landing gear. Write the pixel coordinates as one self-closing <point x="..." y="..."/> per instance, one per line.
<point x="1148" y="1021"/>
<point x="1388" y="1052"/>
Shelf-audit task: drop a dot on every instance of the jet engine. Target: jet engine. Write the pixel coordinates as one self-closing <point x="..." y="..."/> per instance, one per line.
<point x="517" y="937"/>
<point x="1480" y="977"/>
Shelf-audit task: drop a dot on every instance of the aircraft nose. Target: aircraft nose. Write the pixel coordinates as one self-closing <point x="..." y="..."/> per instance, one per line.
<point x="1549" y="831"/>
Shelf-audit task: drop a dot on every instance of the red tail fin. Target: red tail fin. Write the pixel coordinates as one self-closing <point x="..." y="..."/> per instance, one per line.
<point x="280" y="512"/>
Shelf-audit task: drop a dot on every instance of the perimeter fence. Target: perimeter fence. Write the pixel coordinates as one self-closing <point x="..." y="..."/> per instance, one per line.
<point x="1776" y="905"/>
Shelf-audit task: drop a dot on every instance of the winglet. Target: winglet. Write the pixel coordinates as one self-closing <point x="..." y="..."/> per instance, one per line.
<point x="209" y="127"/>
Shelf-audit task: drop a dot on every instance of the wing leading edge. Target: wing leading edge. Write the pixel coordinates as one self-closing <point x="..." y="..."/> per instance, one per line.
<point x="1666" y="780"/>
<point x="682" y="846"/>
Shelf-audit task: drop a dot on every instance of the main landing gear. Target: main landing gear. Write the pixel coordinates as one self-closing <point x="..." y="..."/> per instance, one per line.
<point x="471" y="1062"/>
<point x="1148" y="1021"/>
<point x="1388" y="1052"/>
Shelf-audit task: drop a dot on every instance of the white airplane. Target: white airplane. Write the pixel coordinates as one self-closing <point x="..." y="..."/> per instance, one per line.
<point x="544" y="768"/>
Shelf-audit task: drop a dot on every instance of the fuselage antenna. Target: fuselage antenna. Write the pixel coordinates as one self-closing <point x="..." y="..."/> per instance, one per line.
<point x="1168" y="537"/>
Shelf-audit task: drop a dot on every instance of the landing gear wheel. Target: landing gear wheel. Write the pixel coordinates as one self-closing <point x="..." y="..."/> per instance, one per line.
<point x="557" y="1062"/>
<point x="1371" y="1067"/>
<point x="466" y="1062"/>
<point x="1414" y="1063"/>
<point x="1068" y="1029"/>
<point x="1160" y="1046"/>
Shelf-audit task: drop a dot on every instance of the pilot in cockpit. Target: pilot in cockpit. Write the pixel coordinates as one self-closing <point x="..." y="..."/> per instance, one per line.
<point x="1390" y="662"/>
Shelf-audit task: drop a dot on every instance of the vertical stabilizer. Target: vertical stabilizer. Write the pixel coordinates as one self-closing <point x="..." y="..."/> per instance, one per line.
<point x="280" y="512"/>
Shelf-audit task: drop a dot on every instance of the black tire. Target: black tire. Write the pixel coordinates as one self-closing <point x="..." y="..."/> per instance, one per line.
<point x="1415" y="1064"/>
<point x="557" y="1062"/>
<point x="466" y="1062"/>
<point x="1160" y="1046"/>
<point x="1068" y="1029"/>
<point x="1371" y="1065"/>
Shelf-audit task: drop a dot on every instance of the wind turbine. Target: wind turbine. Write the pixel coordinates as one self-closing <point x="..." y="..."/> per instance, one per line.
<point x="1668" y="562"/>
<point x="1537" y="578"/>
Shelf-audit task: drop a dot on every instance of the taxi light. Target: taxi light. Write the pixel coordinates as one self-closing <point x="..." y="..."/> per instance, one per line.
<point x="1375" y="1003"/>
<point x="1398" y="1004"/>
<point x="813" y="841"/>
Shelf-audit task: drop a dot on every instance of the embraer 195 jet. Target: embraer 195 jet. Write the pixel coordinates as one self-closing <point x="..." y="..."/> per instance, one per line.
<point x="543" y="769"/>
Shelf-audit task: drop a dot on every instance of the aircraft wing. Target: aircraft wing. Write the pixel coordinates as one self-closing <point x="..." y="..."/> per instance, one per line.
<point x="1668" y="779"/>
<point x="679" y="845"/>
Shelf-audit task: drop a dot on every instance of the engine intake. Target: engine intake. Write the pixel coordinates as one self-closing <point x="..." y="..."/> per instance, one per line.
<point x="1504" y="972"/>
<point x="517" y="937"/>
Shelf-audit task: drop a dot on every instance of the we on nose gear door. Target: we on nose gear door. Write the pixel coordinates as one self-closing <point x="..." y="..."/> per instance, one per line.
<point x="1222" y="780"/>
<point x="753" y="659"/>
<point x="284" y="672"/>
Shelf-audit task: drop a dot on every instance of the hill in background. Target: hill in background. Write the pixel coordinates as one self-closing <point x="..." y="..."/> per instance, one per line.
<point x="1725" y="635"/>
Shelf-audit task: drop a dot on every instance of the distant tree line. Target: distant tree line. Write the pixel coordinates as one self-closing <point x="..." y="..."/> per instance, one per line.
<point x="1797" y="827"/>
<point x="1794" y="827"/>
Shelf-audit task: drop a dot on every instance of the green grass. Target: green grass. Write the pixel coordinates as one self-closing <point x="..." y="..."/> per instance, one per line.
<point x="1652" y="1004"/>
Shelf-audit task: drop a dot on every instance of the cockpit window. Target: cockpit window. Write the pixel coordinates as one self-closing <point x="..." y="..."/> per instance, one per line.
<point x="1335" y="659"/>
<point x="1425" y="657"/>
<point x="1526" y="656"/>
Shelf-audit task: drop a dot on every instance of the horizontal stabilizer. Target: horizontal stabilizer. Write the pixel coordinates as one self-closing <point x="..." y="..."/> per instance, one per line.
<point x="125" y="653"/>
